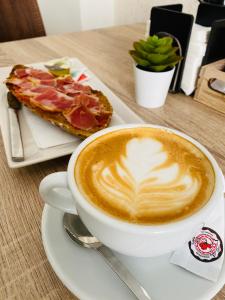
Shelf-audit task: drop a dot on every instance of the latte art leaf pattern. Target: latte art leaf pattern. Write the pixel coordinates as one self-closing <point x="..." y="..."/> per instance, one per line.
<point x="144" y="176"/>
<point x="143" y="181"/>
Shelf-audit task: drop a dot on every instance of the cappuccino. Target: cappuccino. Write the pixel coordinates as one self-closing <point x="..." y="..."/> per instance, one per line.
<point x="144" y="175"/>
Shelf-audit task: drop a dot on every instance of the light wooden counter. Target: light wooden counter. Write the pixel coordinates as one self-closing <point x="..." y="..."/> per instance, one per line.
<point x="24" y="270"/>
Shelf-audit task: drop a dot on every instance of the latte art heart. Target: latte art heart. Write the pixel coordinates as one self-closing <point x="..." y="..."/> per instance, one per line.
<point x="145" y="177"/>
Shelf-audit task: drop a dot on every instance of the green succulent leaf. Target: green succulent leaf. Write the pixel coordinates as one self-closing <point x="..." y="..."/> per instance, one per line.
<point x="145" y="46"/>
<point x="155" y="58"/>
<point x="153" y="40"/>
<point x="166" y="50"/>
<point x="155" y="53"/>
<point x="171" y="62"/>
<point x="174" y="59"/>
<point x="165" y="41"/>
<point x="162" y="49"/>
<point x="140" y="61"/>
<point x="173" y="51"/>
<point x="140" y="50"/>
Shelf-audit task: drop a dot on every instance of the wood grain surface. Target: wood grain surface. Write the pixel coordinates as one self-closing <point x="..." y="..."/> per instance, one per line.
<point x="24" y="270"/>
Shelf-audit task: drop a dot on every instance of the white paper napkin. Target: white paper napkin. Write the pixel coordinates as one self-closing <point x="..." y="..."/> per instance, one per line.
<point x="203" y="255"/>
<point x="47" y="135"/>
<point x="196" y="51"/>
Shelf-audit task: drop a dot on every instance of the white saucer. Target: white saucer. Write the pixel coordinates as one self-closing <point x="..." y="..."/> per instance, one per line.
<point x="85" y="273"/>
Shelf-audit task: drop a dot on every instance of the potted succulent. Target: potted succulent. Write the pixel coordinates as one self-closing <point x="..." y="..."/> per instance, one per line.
<point x="155" y="60"/>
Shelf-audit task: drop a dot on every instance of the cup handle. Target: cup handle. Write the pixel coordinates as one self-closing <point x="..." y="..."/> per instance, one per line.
<point x="54" y="191"/>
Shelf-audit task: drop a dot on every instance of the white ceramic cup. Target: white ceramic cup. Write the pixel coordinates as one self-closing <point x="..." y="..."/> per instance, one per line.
<point x="60" y="190"/>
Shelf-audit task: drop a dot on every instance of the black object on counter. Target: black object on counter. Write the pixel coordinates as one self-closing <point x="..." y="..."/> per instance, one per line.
<point x="170" y="19"/>
<point x="216" y="46"/>
<point x="217" y="2"/>
<point x="209" y="12"/>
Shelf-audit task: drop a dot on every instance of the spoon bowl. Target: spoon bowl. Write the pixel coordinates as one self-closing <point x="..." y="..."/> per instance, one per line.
<point x="79" y="232"/>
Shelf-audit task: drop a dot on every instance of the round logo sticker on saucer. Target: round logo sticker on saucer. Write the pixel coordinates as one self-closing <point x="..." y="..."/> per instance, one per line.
<point x="207" y="246"/>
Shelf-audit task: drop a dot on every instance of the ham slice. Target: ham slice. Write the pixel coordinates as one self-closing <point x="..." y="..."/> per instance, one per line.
<point x="90" y="102"/>
<point x="79" y="87"/>
<point x="51" y="100"/>
<point x="20" y="73"/>
<point x="42" y="75"/>
<point x="26" y="85"/>
<point x="80" y="117"/>
<point x="41" y="89"/>
<point x="48" y="82"/>
<point x="70" y="87"/>
<point x="39" y="74"/>
<point x="33" y="90"/>
<point x="32" y="75"/>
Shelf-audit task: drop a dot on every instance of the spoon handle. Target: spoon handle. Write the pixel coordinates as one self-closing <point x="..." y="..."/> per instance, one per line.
<point x="123" y="273"/>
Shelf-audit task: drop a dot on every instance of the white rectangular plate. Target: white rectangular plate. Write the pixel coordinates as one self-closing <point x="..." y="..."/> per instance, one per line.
<point x="33" y="152"/>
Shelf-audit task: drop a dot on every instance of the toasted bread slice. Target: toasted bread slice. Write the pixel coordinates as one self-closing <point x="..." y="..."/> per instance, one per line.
<point x="57" y="118"/>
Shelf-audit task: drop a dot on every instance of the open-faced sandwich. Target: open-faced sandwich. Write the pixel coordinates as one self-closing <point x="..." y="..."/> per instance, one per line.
<point x="76" y="108"/>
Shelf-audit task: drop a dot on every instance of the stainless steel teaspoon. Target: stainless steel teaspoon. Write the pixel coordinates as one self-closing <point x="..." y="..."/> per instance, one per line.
<point x="80" y="234"/>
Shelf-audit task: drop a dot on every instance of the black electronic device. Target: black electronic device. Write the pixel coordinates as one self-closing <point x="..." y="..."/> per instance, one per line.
<point x="214" y="2"/>
<point x="209" y="12"/>
<point x="175" y="7"/>
<point x="216" y="47"/>
<point x="168" y="19"/>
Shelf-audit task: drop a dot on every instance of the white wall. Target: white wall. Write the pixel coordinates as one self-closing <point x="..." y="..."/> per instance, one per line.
<point x="131" y="11"/>
<point x="96" y="13"/>
<point x="74" y="15"/>
<point x="60" y="16"/>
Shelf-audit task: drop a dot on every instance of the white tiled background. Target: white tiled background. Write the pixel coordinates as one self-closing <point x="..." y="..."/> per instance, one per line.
<point x="74" y="15"/>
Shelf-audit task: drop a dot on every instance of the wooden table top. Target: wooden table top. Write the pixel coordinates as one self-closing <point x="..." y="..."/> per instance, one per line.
<point x="24" y="270"/>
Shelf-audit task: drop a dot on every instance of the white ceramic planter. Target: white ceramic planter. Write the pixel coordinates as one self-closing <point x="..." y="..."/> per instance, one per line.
<point x="151" y="88"/>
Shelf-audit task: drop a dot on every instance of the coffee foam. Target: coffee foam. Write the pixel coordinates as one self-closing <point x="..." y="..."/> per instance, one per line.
<point x="145" y="175"/>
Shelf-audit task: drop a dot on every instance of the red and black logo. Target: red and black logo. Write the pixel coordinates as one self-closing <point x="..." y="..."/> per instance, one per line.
<point x="207" y="246"/>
